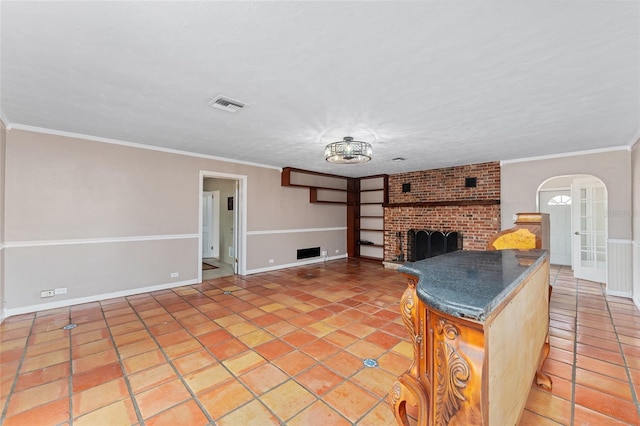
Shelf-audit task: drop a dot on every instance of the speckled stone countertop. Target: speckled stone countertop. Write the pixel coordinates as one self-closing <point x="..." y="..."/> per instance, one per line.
<point x="471" y="284"/>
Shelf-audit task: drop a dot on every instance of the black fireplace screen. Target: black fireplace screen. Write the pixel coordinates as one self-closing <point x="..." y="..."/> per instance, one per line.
<point x="424" y="243"/>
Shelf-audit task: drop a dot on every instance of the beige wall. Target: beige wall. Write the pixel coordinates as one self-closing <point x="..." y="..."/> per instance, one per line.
<point x="3" y="145"/>
<point x="520" y="182"/>
<point x="100" y="218"/>
<point x="635" y="170"/>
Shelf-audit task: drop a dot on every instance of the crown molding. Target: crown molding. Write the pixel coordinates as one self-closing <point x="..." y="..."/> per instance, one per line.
<point x="16" y="126"/>
<point x="567" y="154"/>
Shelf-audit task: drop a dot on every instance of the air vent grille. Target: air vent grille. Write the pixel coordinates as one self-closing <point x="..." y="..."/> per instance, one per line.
<point x="226" y="104"/>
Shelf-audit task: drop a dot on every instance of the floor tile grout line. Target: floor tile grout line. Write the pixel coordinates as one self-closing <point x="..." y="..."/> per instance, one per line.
<point x="256" y="396"/>
<point x="70" y="336"/>
<point x="575" y="351"/>
<point x="134" y="403"/>
<point x="16" y="376"/>
<point x="317" y="397"/>
<point x="624" y="357"/>
<point x="191" y="300"/>
<point x="170" y="363"/>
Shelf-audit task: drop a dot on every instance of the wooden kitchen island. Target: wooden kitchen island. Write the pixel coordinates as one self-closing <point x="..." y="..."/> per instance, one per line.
<point x="478" y="322"/>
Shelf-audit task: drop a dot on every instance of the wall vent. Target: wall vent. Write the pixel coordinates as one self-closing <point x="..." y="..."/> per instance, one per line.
<point x="226" y="104"/>
<point x="308" y="252"/>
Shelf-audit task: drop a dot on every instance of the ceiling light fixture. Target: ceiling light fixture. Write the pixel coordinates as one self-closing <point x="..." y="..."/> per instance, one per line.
<point x="348" y="151"/>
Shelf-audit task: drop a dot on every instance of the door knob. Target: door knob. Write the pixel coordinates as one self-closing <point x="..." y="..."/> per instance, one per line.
<point x="577" y="233"/>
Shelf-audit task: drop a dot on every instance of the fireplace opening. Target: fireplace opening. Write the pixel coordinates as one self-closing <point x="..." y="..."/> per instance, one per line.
<point x="425" y="243"/>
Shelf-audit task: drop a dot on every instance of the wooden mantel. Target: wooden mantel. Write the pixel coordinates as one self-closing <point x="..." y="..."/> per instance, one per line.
<point x="444" y="203"/>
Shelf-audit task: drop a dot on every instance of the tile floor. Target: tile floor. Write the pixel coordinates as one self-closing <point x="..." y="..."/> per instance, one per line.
<point x="286" y="347"/>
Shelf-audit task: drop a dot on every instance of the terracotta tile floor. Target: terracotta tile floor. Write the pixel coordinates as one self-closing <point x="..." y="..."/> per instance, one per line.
<point x="286" y="347"/>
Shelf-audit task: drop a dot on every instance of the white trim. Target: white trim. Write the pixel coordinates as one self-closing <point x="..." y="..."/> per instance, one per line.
<point x="625" y="294"/>
<point x="293" y="265"/>
<point x="95" y="298"/>
<point x="241" y="205"/>
<point x="636" y="301"/>
<point x="133" y="145"/>
<point x="44" y="243"/>
<point x="293" y="231"/>
<point x="618" y="241"/>
<point x="560" y="188"/>
<point x="566" y="154"/>
<point x="636" y="245"/>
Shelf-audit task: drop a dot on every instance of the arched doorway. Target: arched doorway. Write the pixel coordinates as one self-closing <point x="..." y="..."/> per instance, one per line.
<point x="577" y="207"/>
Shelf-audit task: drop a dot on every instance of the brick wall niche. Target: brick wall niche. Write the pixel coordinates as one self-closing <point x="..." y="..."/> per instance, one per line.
<point x="444" y="200"/>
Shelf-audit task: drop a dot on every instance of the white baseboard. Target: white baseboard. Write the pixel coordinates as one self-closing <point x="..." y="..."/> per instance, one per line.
<point x="625" y="294"/>
<point x="77" y="301"/>
<point x="293" y="265"/>
<point x="88" y="299"/>
<point x="636" y="301"/>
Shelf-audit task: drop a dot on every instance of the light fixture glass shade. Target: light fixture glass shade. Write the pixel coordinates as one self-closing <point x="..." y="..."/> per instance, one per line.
<point x="348" y="151"/>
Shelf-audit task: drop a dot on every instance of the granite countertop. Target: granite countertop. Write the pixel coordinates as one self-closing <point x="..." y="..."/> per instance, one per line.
<point x="471" y="284"/>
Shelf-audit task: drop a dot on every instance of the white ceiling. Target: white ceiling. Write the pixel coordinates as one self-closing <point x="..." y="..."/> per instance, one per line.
<point x="438" y="83"/>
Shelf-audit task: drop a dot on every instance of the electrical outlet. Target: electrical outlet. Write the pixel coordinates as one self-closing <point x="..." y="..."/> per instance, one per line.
<point x="47" y="293"/>
<point x="271" y="260"/>
<point x="338" y="251"/>
<point x="175" y="275"/>
<point x="62" y="290"/>
<point x="324" y="253"/>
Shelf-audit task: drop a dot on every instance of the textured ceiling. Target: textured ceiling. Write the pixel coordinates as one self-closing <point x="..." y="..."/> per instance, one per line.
<point x="438" y="83"/>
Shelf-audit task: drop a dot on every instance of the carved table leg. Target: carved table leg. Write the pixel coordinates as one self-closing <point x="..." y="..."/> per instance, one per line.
<point x="398" y="396"/>
<point x="408" y="391"/>
<point x="543" y="379"/>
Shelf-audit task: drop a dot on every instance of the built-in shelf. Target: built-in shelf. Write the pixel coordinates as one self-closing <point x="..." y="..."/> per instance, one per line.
<point x="323" y="188"/>
<point x="364" y="198"/>
<point x="372" y="195"/>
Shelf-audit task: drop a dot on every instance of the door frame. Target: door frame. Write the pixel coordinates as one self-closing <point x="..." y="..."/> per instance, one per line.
<point x="240" y="213"/>
<point x="574" y="177"/>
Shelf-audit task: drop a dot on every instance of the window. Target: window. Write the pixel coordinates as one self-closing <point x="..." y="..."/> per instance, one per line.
<point x="560" y="200"/>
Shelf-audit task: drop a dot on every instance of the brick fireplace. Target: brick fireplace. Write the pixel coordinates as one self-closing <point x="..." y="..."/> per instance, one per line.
<point x="465" y="199"/>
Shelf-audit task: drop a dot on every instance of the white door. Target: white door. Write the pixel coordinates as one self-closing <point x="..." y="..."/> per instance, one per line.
<point x="211" y="224"/>
<point x="589" y="201"/>
<point x="557" y="203"/>
<point x="207" y="224"/>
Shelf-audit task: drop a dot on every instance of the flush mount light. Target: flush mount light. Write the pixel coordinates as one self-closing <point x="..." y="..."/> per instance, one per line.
<point x="348" y="151"/>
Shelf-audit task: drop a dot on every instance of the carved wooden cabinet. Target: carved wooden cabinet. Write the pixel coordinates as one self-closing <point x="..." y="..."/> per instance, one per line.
<point x="478" y="323"/>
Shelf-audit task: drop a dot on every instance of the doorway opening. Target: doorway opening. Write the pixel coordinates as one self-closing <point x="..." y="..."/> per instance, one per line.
<point x="222" y="224"/>
<point x="577" y="208"/>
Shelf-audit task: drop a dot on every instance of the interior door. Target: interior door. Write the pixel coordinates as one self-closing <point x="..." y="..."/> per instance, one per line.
<point x="207" y="224"/>
<point x="589" y="211"/>
<point x="557" y="203"/>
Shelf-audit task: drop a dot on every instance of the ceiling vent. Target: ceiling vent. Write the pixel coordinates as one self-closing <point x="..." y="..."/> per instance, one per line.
<point x="226" y="104"/>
